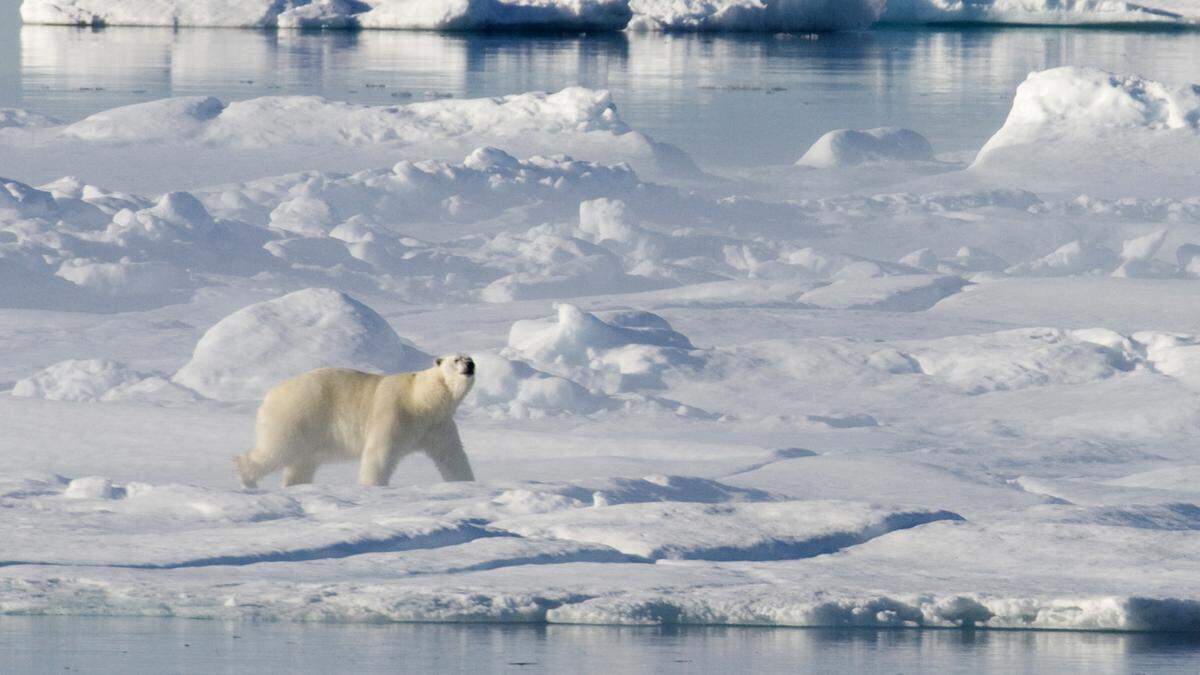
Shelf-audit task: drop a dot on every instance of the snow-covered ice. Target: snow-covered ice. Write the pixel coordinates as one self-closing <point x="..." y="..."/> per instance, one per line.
<point x="1043" y="12"/>
<point x="848" y="147"/>
<point x="396" y="14"/>
<point x="753" y="15"/>
<point x="603" y="15"/>
<point x="961" y="394"/>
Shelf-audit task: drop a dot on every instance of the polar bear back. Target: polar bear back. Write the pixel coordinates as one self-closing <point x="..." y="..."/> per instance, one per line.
<point x="323" y="412"/>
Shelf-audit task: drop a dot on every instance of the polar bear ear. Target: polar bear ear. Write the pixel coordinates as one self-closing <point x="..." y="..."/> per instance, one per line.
<point x="437" y="361"/>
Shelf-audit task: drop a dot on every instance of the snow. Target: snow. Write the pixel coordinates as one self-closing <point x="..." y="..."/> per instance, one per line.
<point x="1042" y="12"/>
<point x="602" y="15"/>
<point x="249" y="351"/>
<point x="1113" y="119"/>
<point x="402" y="14"/>
<point x="753" y="15"/>
<point x="76" y="380"/>
<point x="778" y="396"/>
<point x="849" y="147"/>
<point x="283" y="130"/>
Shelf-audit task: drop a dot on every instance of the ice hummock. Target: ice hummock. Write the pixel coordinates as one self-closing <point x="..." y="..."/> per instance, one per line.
<point x="850" y="147"/>
<point x="245" y="353"/>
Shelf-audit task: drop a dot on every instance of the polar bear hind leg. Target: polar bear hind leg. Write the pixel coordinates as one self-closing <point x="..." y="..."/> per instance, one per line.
<point x="299" y="473"/>
<point x="248" y="470"/>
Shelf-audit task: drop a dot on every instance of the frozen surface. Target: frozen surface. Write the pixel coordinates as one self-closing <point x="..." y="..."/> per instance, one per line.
<point x="402" y="14"/>
<point x="850" y="147"/>
<point x="753" y="15"/>
<point x="602" y="15"/>
<point x="1043" y="12"/>
<point x="923" y="393"/>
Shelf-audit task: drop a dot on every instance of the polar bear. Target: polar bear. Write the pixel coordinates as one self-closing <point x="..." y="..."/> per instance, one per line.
<point x="334" y="414"/>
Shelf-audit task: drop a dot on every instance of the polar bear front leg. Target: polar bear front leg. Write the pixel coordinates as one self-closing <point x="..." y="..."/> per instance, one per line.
<point x="445" y="448"/>
<point x="380" y="456"/>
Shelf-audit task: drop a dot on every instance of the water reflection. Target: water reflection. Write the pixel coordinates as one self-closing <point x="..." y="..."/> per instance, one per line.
<point x="744" y="99"/>
<point x="45" y="644"/>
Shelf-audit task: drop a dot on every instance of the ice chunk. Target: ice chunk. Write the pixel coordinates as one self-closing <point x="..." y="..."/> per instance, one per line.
<point x="1076" y="102"/>
<point x="625" y="350"/>
<point x="850" y="147"/>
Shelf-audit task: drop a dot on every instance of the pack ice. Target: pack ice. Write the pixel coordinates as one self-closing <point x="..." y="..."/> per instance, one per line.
<point x="874" y="389"/>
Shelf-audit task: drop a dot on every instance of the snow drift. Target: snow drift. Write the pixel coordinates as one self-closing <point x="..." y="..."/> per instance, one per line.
<point x="577" y="121"/>
<point x="1072" y="127"/>
<point x="256" y="347"/>
<point x="849" y="147"/>
<point x="1075" y="102"/>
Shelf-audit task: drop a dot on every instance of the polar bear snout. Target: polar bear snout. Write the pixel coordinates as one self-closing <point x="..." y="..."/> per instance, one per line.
<point x="461" y="364"/>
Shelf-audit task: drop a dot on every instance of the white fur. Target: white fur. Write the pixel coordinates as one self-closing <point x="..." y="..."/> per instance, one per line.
<point x="333" y="414"/>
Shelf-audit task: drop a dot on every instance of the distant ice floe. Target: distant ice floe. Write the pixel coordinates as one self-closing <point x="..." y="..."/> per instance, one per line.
<point x="850" y="147"/>
<point x="450" y="15"/>
<point x="1041" y="12"/>
<point x="600" y="15"/>
<point x="754" y="15"/>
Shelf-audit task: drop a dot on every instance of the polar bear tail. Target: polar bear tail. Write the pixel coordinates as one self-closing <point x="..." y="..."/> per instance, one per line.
<point x="247" y="470"/>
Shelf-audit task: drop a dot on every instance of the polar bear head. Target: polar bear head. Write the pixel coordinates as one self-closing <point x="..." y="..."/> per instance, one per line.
<point x="458" y="372"/>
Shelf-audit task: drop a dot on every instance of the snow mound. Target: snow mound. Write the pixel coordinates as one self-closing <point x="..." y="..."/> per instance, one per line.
<point x="15" y="118"/>
<point x="579" y="121"/>
<point x="1038" y="12"/>
<point x="624" y="351"/>
<point x="75" y="380"/>
<point x="1075" y="102"/>
<point x="256" y="347"/>
<point x="484" y="185"/>
<point x="1136" y="260"/>
<point x="909" y="293"/>
<point x="850" y="147"/>
<point x="733" y="531"/>
<point x="558" y="267"/>
<point x="1022" y="358"/>
<point x="754" y="15"/>
<point x="395" y="14"/>
<point x="505" y="388"/>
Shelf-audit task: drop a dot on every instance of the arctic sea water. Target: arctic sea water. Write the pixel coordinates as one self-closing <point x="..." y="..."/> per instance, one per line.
<point x="143" y="645"/>
<point x="743" y="100"/>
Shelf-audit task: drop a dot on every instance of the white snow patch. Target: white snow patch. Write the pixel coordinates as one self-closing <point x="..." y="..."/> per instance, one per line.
<point x="393" y="14"/>
<point x="258" y="346"/>
<point x="623" y="351"/>
<point x="753" y="15"/>
<point x="77" y="380"/>
<point x="1040" y="12"/>
<point x="1079" y="103"/>
<point x="850" y="147"/>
